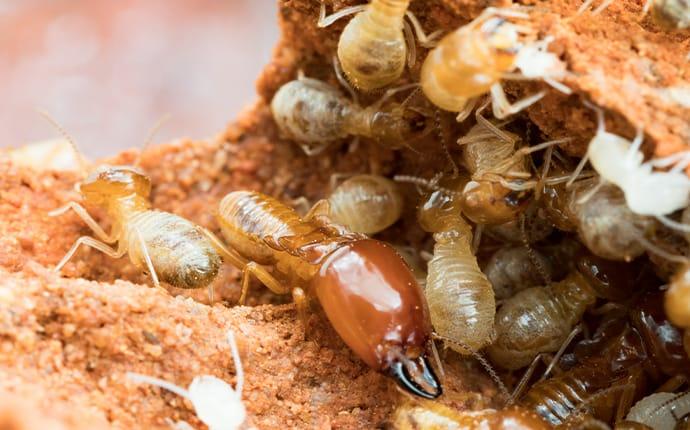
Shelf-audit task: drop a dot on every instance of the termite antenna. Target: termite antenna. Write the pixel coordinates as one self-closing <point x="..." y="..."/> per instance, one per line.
<point x="83" y="164"/>
<point x="654" y="249"/>
<point x="480" y="358"/>
<point x="426" y="183"/>
<point x="668" y="402"/>
<point x="149" y="138"/>
<point x="675" y="225"/>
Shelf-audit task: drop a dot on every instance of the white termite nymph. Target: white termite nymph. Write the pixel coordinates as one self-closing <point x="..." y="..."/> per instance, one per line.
<point x="215" y="402"/>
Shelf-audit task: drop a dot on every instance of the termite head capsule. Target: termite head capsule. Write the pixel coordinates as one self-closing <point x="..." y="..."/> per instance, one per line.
<point x="394" y="125"/>
<point x="488" y="202"/>
<point x="109" y="182"/>
<point x="373" y="301"/>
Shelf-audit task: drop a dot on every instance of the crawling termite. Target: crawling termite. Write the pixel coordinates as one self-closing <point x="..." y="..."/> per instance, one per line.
<point x="372" y="48"/>
<point x="363" y="203"/>
<point x="170" y="248"/>
<point x="367" y="291"/>
<point x="472" y="60"/>
<point x="461" y="299"/>
<point x="311" y="112"/>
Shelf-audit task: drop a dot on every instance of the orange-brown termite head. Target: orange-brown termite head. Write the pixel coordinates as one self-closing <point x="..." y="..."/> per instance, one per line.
<point x="488" y="202"/>
<point x="107" y="183"/>
<point x="375" y="304"/>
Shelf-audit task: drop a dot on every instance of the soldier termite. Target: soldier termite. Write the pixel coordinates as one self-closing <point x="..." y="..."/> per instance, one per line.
<point x="363" y="203"/>
<point x="460" y="297"/>
<point x="473" y="59"/>
<point x="215" y="402"/>
<point x="311" y="112"/>
<point x="372" y="48"/>
<point x="170" y="248"/>
<point x="367" y="291"/>
<point x="435" y="416"/>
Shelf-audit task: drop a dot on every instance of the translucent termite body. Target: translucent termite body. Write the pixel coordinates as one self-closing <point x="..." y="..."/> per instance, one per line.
<point x="311" y="111"/>
<point x="512" y="269"/>
<point x="601" y="217"/>
<point x="367" y="291"/>
<point x="491" y="160"/>
<point x="372" y="48"/>
<point x="660" y="410"/>
<point x="540" y="319"/>
<point x="363" y="203"/>
<point x="676" y="302"/>
<point x="435" y="416"/>
<point x="172" y="249"/>
<point x="472" y="60"/>
<point x="461" y="299"/>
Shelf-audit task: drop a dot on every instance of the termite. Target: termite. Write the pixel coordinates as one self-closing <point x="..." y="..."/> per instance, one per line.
<point x="215" y="402"/>
<point x="367" y="291"/>
<point x="170" y="248"/>
<point x="541" y="320"/>
<point x="472" y="60"/>
<point x="374" y="45"/>
<point x="500" y="170"/>
<point x="512" y="269"/>
<point x="435" y="416"/>
<point x="364" y="204"/>
<point x="461" y="299"/>
<point x="659" y="411"/>
<point x="310" y="112"/>
<point x="669" y="14"/>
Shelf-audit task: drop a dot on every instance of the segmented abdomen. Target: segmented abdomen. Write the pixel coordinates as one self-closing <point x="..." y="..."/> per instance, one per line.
<point x="181" y="254"/>
<point x="461" y="300"/>
<point x="556" y="398"/>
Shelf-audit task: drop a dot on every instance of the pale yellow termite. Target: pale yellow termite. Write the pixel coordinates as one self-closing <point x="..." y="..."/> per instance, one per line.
<point x="170" y="248"/>
<point x="364" y="204"/>
<point x="461" y="299"/>
<point x="372" y="48"/>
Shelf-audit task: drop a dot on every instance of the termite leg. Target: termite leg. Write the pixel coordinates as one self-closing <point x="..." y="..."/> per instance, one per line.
<point x="264" y="277"/>
<point x="337" y="177"/>
<point x="343" y="81"/>
<point x="231" y="256"/>
<point x="673" y="384"/>
<point x="391" y="92"/>
<point x="503" y="108"/>
<point x="320" y="209"/>
<point x="93" y="243"/>
<point x="627" y="397"/>
<point x="302" y="302"/>
<point x="426" y="41"/>
<point x="147" y="259"/>
<point x="325" y="21"/>
<point x="467" y="109"/>
<point x="577" y="330"/>
<point x="520" y="387"/>
<point x="577" y="171"/>
<point x="301" y="205"/>
<point x="489" y="125"/>
<point x="411" y="47"/>
<point x="84" y="215"/>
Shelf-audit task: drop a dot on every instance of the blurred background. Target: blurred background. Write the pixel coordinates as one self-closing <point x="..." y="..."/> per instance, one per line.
<point x="108" y="70"/>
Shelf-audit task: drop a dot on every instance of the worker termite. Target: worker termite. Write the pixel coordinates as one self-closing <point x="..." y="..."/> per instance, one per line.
<point x="542" y="319"/>
<point x="473" y="59"/>
<point x="366" y="290"/>
<point x="460" y="297"/>
<point x="435" y="416"/>
<point x="364" y="204"/>
<point x="312" y="112"/>
<point x="660" y="410"/>
<point x="372" y="47"/>
<point x="669" y="14"/>
<point x="215" y="402"/>
<point x="170" y="248"/>
<point x="512" y="269"/>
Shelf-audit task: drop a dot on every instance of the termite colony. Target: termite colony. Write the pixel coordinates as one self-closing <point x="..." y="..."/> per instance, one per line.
<point x="556" y="269"/>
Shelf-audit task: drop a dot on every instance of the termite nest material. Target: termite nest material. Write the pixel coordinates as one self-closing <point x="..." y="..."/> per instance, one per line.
<point x="425" y="201"/>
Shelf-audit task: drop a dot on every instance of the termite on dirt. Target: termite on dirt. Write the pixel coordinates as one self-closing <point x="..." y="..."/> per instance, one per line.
<point x="215" y="402"/>
<point x="170" y="248"/>
<point x="461" y="299"/>
<point x="367" y="291"/>
<point x="363" y="203"/>
<point x="375" y="44"/>
<point x="313" y="112"/>
<point x="472" y="60"/>
<point x="435" y="416"/>
<point x="541" y="320"/>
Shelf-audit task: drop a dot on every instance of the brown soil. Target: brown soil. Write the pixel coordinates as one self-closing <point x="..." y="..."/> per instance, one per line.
<point x="66" y="342"/>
